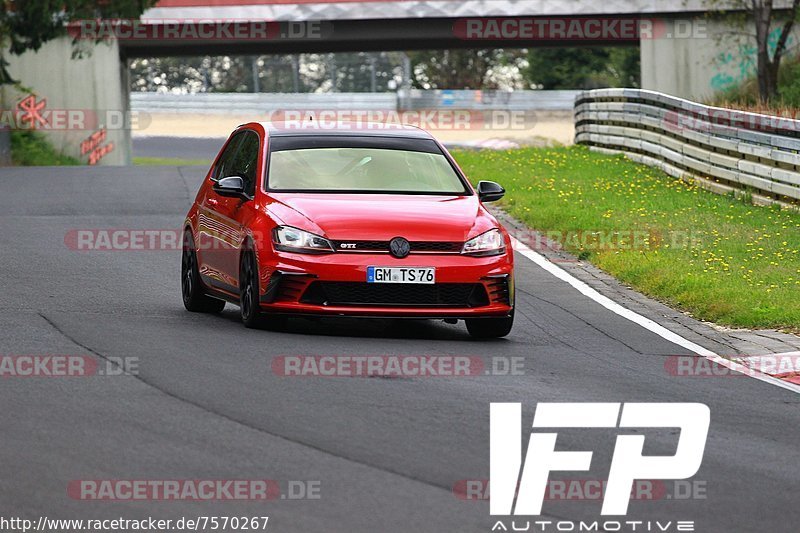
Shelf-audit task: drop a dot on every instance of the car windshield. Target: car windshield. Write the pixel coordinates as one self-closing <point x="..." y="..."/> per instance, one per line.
<point x="363" y="170"/>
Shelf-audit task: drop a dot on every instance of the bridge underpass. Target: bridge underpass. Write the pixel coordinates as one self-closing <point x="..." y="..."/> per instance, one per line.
<point x="671" y="63"/>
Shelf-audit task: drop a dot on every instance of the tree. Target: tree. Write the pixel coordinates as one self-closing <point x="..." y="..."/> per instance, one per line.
<point x="459" y="69"/>
<point x="302" y="73"/>
<point x="28" y="24"/>
<point x="763" y="16"/>
<point x="583" y="67"/>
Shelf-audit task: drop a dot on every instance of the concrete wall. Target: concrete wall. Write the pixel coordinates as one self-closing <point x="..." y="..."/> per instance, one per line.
<point x="711" y="58"/>
<point x="92" y="88"/>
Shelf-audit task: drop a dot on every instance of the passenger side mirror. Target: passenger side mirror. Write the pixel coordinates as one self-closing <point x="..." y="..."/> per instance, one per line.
<point x="231" y="187"/>
<point x="489" y="191"/>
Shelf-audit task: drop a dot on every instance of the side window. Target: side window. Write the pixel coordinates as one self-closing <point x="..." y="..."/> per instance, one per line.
<point x="245" y="161"/>
<point x="223" y="168"/>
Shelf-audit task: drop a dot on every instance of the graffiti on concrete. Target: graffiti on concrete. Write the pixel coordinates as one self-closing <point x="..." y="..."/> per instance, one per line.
<point x="30" y="111"/>
<point x="737" y="65"/>
<point x="93" y="145"/>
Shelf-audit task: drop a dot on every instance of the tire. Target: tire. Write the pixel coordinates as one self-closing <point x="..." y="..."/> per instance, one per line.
<point x="194" y="296"/>
<point x="252" y="315"/>
<point x="490" y="328"/>
<point x="248" y="291"/>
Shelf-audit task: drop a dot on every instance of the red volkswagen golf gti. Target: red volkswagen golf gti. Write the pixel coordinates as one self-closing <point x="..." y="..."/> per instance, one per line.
<point x="352" y="221"/>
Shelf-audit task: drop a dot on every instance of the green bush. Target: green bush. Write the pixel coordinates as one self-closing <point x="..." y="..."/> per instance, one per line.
<point x="30" y="148"/>
<point x="789" y="85"/>
<point x="745" y="95"/>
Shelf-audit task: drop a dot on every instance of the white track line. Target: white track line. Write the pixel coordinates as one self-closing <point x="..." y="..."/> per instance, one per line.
<point x="644" y="322"/>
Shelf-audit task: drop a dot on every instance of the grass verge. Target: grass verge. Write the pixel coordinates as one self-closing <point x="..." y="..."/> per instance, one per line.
<point x="713" y="256"/>
<point x="30" y="148"/>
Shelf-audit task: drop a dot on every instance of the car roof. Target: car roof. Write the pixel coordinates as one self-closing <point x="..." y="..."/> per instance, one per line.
<point x="342" y="128"/>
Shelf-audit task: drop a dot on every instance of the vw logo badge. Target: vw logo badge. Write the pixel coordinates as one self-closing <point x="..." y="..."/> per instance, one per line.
<point x="399" y="247"/>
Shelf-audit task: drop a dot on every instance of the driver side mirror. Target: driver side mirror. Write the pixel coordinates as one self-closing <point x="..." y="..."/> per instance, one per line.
<point x="231" y="187"/>
<point x="489" y="191"/>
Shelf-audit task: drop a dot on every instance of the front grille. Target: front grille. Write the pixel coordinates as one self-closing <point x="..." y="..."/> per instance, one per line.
<point x="432" y="246"/>
<point x="398" y="295"/>
<point x="442" y="247"/>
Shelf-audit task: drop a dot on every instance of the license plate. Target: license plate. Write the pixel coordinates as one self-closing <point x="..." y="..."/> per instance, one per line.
<point x="416" y="275"/>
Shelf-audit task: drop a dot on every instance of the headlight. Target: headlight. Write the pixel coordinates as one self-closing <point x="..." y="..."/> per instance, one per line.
<point x="289" y="239"/>
<point x="489" y="243"/>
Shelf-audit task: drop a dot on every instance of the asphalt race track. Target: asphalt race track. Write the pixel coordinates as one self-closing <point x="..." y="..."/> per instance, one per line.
<point x="193" y="148"/>
<point x="204" y="402"/>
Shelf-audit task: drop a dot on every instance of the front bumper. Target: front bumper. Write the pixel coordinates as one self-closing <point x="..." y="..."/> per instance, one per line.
<point x="335" y="285"/>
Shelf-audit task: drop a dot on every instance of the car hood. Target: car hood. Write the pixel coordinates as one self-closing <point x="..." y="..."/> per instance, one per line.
<point x="384" y="216"/>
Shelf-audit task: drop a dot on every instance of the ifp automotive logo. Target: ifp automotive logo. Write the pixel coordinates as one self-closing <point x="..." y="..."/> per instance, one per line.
<point x="518" y="489"/>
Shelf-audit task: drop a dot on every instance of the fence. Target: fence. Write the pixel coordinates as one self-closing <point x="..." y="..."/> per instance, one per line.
<point x="727" y="150"/>
<point x="259" y="103"/>
<point x="490" y="100"/>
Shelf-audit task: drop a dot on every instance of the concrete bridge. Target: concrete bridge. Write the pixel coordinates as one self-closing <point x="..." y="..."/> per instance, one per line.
<point x="678" y="45"/>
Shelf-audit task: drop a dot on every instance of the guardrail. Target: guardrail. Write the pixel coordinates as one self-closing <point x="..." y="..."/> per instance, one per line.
<point x="259" y="103"/>
<point x="724" y="149"/>
<point x="489" y="100"/>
